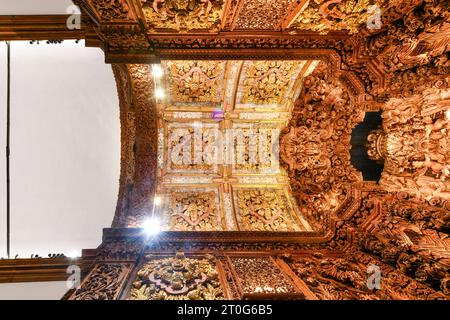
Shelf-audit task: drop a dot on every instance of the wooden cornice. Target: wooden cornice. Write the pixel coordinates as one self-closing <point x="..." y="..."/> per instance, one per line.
<point x="37" y="27"/>
<point x="42" y="269"/>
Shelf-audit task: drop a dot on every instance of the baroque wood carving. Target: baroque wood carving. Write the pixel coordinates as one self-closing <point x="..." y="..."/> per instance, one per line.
<point x="316" y="145"/>
<point x="182" y="15"/>
<point x="139" y="143"/>
<point x="414" y="144"/>
<point x="177" y="278"/>
<point x="104" y="282"/>
<point x="400" y="225"/>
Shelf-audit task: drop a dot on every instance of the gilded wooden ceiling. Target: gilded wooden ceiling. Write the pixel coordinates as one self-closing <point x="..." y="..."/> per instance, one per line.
<point x="181" y="16"/>
<point x="218" y="154"/>
<point x="251" y="66"/>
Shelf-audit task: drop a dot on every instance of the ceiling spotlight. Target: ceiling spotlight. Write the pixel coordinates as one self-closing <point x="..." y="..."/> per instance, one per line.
<point x="159" y="94"/>
<point x="157" y="71"/>
<point x="151" y="226"/>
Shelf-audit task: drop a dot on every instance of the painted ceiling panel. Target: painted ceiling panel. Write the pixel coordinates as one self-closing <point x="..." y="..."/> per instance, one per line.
<point x="219" y="129"/>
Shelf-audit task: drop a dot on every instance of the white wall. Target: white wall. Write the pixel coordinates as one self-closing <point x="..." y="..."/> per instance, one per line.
<point x="33" y="290"/>
<point x="65" y="148"/>
<point x="9" y="7"/>
<point x="2" y="149"/>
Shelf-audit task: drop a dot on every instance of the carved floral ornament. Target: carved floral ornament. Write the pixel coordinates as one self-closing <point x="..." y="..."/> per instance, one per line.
<point x="324" y="16"/>
<point x="112" y="10"/>
<point x="266" y="82"/>
<point x="195" y="81"/>
<point x="183" y="15"/>
<point x="316" y="146"/>
<point x="177" y="278"/>
<point x="193" y="211"/>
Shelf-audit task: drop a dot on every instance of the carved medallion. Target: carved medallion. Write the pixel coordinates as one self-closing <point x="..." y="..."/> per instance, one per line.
<point x="193" y="211"/>
<point x="177" y="278"/>
<point x="195" y="81"/>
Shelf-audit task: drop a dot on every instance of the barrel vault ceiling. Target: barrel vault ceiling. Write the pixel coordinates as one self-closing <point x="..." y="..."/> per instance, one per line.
<point x="207" y="105"/>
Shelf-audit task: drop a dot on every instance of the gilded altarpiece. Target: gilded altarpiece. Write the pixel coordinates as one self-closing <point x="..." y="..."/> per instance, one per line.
<point x="414" y="144"/>
<point x="400" y="67"/>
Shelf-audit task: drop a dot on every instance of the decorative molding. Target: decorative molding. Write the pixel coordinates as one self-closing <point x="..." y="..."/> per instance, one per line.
<point x="38" y="27"/>
<point x="39" y="269"/>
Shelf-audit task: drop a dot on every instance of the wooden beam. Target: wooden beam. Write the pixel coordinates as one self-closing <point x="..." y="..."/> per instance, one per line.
<point x="42" y="269"/>
<point x="38" y="27"/>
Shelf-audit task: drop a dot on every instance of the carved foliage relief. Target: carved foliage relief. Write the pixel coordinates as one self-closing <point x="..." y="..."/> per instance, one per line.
<point x="195" y="81"/>
<point x="414" y="37"/>
<point x="196" y="210"/>
<point x="191" y="148"/>
<point x="104" y="282"/>
<point x="347" y="278"/>
<point x="112" y="10"/>
<point x="183" y="15"/>
<point x="335" y="278"/>
<point x="316" y="145"/>
<point x="146" y="144"/>
<point x="177" y="278"/>
<point x="265" y="210"/>
<point x="268" y="82"/>
<point x="334" y="15"/>
<point x="263" y="15"/>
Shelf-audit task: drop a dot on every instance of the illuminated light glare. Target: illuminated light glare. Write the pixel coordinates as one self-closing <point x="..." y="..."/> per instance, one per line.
<point x="159" y="93"/>
<point x="73" y="254"/>
<point x="157" y="71"/>
<point x="157" y="200"/>
<point x="151" y="226"/>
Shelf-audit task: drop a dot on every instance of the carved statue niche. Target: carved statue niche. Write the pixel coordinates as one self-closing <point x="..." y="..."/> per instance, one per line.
<point x="415" y="144"/>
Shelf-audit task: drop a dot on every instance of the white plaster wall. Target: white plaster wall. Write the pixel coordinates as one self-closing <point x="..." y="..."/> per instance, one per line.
<point x="65" y="148"/>
<point x="2" y="149"/>
<point x="33" y="290"/>
<point x="10" y="7"/>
